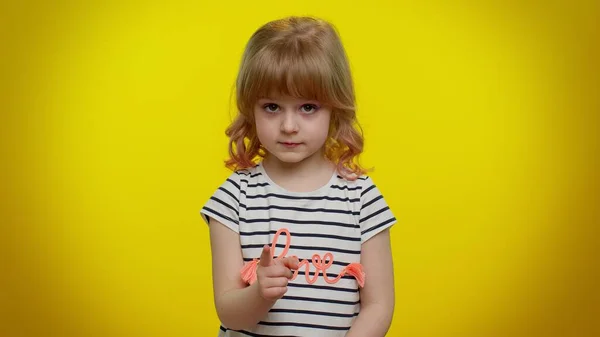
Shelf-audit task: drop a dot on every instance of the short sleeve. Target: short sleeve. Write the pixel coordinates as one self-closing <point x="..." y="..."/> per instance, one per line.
<point x="375" y="214"/>
<point x="223" y="205"/>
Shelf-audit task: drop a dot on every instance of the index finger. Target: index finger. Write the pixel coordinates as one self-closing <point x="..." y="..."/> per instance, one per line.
<point x="265" y="257"/>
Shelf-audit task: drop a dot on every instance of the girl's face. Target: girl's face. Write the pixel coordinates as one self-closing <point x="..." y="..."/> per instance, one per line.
<point x="291" y="129"/>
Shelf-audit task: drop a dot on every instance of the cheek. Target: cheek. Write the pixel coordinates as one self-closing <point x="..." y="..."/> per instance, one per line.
<point x="321" y="128"/>
<point x="263" y="128"/>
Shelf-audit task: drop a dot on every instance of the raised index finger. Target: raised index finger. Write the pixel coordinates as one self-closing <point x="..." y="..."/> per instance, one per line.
<point x="265" y="257"/>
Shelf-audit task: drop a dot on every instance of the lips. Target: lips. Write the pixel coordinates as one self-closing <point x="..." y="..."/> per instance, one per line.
<point x="289" y="144"/>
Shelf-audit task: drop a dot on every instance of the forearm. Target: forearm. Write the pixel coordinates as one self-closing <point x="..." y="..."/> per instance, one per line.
<point x="373" y="320"/>
<point x="242" y="308"/>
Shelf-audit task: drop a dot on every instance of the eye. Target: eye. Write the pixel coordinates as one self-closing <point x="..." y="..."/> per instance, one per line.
<point x="271" y="107"/>
<point x="309" y="108"/>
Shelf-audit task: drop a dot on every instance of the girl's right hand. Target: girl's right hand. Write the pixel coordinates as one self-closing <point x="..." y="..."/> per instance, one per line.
<point x="273" y="275"/>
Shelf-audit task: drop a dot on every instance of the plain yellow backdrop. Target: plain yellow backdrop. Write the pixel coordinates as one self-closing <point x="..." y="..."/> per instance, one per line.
<point x="481" y="121"/>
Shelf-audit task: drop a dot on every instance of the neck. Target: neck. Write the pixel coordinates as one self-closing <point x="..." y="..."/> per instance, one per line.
<point x="306" y="167"/>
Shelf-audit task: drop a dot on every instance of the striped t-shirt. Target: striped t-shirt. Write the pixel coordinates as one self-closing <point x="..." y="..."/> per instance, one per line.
<point x="337" y="218"/>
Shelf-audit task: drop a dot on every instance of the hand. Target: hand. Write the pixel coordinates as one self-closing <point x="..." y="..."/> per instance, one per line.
<point x="273" y="275"/>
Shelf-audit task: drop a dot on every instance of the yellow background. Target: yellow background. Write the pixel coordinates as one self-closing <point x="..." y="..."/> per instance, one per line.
<point x="481" y="120"/>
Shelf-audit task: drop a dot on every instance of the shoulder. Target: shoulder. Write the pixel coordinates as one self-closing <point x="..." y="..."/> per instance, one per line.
<point x="246" y="173"/>
<point x="364" y="188"/>
<point x="358" y="183"/>
<point x="366" y="183"/>
<point x="243" y="175"/>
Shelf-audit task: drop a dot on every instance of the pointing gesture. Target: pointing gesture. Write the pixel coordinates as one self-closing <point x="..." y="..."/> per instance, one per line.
<point x="273" y="274"/>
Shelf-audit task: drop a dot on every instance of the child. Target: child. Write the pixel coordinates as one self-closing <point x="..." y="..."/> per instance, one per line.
<point x="300" y="239"/>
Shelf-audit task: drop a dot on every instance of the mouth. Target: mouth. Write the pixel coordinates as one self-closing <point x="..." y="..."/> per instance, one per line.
<point x="290" y="144"/>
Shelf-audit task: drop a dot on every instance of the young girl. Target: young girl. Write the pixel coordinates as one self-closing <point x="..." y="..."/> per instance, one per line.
<point x="299" y="238"/>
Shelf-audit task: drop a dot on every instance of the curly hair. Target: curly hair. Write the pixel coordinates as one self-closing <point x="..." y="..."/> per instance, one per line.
<point x="299" y="57"/>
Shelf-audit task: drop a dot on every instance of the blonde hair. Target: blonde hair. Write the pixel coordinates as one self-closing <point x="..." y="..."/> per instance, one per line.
<point x="299" y="57"/>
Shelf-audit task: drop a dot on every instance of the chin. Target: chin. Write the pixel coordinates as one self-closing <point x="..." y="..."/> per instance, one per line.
<point x="289" y="158"/>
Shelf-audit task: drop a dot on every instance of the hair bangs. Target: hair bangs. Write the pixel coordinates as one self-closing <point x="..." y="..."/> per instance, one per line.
<point x="291" y="72"/>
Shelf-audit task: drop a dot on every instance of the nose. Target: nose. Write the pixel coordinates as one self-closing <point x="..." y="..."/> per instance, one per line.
<point x="289" y="123"/>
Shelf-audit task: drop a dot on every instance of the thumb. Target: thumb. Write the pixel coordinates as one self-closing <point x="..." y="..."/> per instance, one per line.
<point x="265" y="257"/>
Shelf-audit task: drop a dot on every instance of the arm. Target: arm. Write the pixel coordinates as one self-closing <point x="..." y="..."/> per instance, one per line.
<point x="238" y="306"/>
<point x="377" y="297"/>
